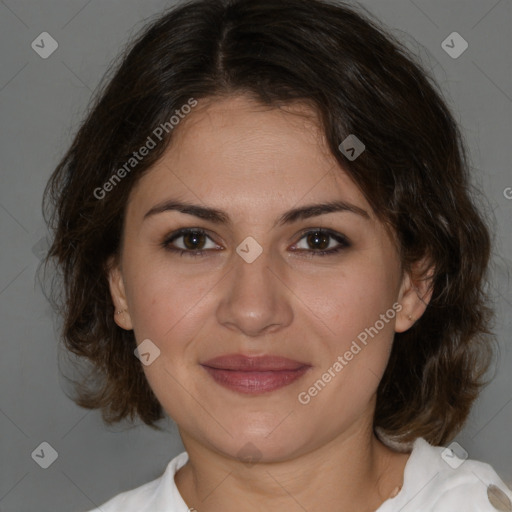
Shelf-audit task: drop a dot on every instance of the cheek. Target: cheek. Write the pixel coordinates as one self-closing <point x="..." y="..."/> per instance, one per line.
<point x="168" y="310"/>
<point x="167" y="307"/>
<point x="351" y="300"/>
<point x="347" y="312"/>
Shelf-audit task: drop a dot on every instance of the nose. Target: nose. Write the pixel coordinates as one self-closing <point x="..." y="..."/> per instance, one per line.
<point x="255" y="298"/>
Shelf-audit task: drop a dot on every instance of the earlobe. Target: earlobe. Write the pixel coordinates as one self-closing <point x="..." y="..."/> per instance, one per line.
<point x="117" y="291"/>
<point x="414" y="296"/>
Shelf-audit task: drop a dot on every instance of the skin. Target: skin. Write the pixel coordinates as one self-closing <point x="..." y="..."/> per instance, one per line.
<point x="254" y="163"/>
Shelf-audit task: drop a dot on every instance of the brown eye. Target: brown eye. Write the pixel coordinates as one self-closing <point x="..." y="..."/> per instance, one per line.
<point x="193" y="240"/>
<point x="318" y="240"/>
<point x="190" y="242"/>
<point x="322" y="242"/>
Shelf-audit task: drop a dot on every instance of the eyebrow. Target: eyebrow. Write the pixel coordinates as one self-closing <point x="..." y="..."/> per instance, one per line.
<point x="293" y="215"/>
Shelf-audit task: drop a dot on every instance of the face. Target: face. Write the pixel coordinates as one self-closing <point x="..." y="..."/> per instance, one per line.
<point x="198" y="287"/>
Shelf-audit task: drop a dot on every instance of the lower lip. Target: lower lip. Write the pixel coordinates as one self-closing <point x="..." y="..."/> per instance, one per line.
<point x="255" y="382"/>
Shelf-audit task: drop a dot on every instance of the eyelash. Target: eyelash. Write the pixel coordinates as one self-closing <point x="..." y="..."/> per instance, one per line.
<point x="344" y="243"/>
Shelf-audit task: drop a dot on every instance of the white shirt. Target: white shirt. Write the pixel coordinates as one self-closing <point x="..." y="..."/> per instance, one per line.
<point x="430" y="485"/>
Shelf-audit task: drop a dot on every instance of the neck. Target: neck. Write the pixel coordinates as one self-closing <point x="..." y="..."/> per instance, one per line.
<point x="353" y="471"/>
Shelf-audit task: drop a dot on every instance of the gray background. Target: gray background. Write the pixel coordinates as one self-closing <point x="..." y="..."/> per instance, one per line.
<point x="41" y="104"/>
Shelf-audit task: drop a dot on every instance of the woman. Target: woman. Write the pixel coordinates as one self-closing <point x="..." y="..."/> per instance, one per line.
<point x="266" y="230"/>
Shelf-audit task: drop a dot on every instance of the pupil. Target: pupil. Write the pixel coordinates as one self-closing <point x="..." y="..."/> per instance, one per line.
<point x="315" y="238"/>
<point x="194" y="236"/>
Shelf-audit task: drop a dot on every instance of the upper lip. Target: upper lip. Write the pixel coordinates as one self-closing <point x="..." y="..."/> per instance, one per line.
<point x="243" y="363"/>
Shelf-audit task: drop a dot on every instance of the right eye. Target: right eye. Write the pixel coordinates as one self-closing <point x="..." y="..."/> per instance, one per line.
<point x="193" y="241"/>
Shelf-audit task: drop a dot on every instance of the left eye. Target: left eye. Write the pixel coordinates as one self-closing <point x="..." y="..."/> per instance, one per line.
<point x="320" y="240"/>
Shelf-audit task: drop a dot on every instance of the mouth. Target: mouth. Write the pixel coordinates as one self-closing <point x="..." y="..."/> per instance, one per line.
<point x="253" y="375"/>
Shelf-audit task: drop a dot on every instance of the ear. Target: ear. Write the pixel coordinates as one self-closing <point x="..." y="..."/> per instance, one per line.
<point x="415" y="294"/>
<point x="118" y="294"/>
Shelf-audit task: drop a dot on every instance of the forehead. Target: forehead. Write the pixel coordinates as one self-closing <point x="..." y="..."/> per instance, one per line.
<point x="233" y="153"/>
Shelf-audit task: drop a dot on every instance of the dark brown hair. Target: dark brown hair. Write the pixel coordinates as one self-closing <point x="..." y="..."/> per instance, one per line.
<point x="414" y="173"/>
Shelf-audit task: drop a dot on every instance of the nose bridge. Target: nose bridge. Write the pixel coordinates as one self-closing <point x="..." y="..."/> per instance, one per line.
<point x="254" y="299"/>
<point x="253" y="280"/>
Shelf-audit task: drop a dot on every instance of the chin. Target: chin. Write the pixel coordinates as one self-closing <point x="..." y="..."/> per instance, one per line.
<point x="251" y="447"/>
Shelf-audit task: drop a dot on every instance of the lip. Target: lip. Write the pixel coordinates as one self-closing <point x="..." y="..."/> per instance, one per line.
<point x="254" y="374"/>
<point x="243" y="363"/>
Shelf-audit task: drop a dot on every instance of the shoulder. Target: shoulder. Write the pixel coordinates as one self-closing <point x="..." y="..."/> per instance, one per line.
<point x="439" y="479"/>
<point x="159" y="494"/>
<point x="474" y="486"/>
